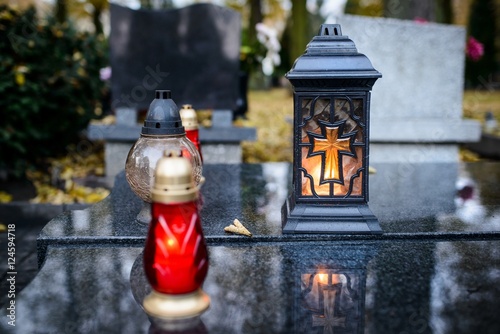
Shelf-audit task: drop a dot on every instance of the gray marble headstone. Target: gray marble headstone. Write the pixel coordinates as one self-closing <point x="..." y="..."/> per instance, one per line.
<point x="193" y="51"/>
<point x="418" y="100"/>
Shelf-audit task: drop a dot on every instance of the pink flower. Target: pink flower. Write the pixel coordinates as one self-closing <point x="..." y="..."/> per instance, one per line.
<point x="105" y="73"/>
<point x="474" y="49"/>
<point x="420" y="20"/>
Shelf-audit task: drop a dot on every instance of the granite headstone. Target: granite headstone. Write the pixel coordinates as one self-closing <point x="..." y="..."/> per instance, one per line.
<point x="194" y="51"/>
<point x="418" y="102"/>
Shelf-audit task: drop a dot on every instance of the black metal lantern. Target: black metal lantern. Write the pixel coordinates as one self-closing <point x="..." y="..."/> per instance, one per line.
<point x="332" y="84"/>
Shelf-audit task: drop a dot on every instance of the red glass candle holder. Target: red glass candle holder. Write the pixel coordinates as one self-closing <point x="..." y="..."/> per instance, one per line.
<point x="190" y="123"/>
<point x="175" y="254"/>
<point x="194" y="137"/>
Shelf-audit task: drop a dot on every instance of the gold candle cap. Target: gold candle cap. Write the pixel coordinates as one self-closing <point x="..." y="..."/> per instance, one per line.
<point x="188" y="117"/>
<point x="174" y="180"/>
<point x="176" y="312"/>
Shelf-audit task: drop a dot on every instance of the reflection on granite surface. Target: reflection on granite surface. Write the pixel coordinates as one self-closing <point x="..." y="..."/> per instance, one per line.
<point x="401" y="194"/>
<point x="407" y="198"/>
<point x="476" y="201"/>
<point x="466" y="292"/>
<point x="330" y="287"/>
<point x="436" y="268"/>
<point x="82" y="290"/>
<point x="376" y="286"/>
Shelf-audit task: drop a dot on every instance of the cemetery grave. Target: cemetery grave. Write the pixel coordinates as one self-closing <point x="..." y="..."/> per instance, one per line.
<point x="434" y="267"/>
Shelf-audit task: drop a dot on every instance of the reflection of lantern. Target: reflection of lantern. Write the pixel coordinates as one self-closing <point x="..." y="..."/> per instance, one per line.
<point x="162" y="131"/>
<point x="329" y="286"/>
<point x="332" y="298"/>
<point x="332" y="84"/>
<point x="175" y="254"/>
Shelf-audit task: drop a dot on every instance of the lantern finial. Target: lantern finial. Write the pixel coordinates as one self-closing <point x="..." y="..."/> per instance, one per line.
<point x="330" y="30"/>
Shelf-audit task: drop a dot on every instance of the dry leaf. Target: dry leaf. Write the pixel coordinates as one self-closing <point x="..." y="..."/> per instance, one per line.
<point x="237" y="228"/>
<point x="5" y="197"/>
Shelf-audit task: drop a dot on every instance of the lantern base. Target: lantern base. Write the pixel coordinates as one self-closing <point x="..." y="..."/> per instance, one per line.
<point x="176" y="312"/>
<point x="316" y="218"/>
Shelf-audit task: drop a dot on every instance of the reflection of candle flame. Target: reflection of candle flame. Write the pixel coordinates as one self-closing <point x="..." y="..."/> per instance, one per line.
<point x="322" y="278"/>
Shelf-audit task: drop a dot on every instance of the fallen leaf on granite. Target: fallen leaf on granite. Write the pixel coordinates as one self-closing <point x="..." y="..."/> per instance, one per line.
<point x="237" y="228"/>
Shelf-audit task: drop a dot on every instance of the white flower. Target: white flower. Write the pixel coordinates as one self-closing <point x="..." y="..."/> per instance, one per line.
<point x="268" y="37"/>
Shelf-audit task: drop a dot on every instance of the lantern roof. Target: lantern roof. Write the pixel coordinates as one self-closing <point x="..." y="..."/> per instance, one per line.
<point x="163" y="118"/>
<point x="331" y="60"/>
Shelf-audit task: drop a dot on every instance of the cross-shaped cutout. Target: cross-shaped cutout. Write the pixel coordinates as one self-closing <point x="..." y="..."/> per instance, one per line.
<point x="332" y="144"/>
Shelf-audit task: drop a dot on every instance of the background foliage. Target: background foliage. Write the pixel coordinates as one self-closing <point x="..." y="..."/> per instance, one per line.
<point x="50" y="86"/>
<point x="482" y="26"/>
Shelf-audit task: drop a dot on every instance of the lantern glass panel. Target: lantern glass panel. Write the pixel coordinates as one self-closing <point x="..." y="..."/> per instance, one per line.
<point x="332" y="145"/>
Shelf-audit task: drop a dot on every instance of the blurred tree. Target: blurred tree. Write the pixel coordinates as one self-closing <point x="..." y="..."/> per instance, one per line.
<point x="98" y="7"/>
<point x="430" y="10"/>
<point x="64" y="10"/>
<point x="408" y="9"/>
<point x="299" y="29"/>
<point x="364" y="7"/>
<point x="255" y="17"/>
<point x="61" y="11"/>
<point x="50" y="87"/>
<point x="444" y="11"/>
<point x="157" y="4"/>
<point x="482" y="27"/>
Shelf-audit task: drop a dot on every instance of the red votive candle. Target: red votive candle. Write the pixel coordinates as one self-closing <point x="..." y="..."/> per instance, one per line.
<point x="175" y="255"/>
<point x="190" y="123"/>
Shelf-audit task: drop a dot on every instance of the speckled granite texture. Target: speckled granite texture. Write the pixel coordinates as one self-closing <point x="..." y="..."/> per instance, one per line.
<point x="436" y="267"/>
<point x="410" y="201"/>
<point x="378" y="286"/>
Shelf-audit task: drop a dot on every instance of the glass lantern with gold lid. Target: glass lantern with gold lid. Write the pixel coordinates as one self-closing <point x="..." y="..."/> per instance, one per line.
<point x="162" y="130"/>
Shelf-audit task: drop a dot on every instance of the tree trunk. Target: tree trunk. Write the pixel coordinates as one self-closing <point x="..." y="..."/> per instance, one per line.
<point x="300" y="30"/>
<point x="396" y="9"/>
<point x="255" y="17"/>
<point x="444" y="11"/>
<point x="96" y="18"/>
<point x="410" y="9"/>
<point x="61" y="11"/>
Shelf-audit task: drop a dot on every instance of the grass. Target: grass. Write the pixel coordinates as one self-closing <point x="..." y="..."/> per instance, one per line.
<point x="271" y="113"/>
<point x="477" y="102"/>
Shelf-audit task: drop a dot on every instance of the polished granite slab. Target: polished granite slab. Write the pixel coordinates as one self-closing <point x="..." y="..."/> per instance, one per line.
<point x="436" y="267"/>
<point x="411" y="200"/>
<point x="383" y="286"/>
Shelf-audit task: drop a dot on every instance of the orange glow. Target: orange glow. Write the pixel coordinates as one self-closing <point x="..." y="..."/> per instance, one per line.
<point x="322" y="278"/>
<point x="171" y="242"/>
<point x="326" y="149"/>
<point x="331" y="146"/>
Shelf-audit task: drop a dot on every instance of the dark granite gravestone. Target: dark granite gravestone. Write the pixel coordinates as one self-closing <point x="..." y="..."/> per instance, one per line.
<point x="194" y="51"/>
